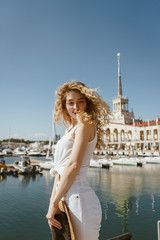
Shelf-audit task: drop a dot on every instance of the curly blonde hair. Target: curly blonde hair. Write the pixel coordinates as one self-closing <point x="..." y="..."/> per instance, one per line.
<point x="97" y="112"/>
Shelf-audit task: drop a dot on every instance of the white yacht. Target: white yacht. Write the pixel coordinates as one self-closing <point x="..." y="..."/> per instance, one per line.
<point x="95" y="163"/>
<point x="154" y="160"/>
<point x="100" y="163"/>
<point x="34" y="152"/>
<point x="7" y="151"/>
<point x="148" y="153"/>
<point x="19" y="152"/>
<point x="47" y="165"/>
<point x="129" y="161"/>
<point x="156" y="153"/>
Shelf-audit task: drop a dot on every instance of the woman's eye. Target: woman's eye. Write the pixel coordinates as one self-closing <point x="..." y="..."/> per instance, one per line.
<point x="71" y="103"/>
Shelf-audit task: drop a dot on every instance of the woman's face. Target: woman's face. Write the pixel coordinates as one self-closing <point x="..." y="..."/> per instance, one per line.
<point x="75" y="102"/>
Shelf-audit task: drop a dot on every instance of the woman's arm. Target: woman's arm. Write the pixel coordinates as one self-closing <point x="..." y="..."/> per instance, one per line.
<point x="82" y="136"/>
<point x="57" y="178"/>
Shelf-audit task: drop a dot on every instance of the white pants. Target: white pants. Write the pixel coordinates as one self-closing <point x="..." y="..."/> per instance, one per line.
<point x="85" y="210"/>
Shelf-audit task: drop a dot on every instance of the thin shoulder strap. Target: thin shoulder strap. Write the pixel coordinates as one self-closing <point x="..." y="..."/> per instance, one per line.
<point x="74" y="128"/>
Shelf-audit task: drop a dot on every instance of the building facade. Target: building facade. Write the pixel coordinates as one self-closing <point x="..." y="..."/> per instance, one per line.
<point x="124" y="132"/>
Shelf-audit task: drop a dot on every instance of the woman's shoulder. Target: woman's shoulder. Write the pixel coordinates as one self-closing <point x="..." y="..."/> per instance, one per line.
<point x="86" y="126"/>
<point x="85" y="130"/>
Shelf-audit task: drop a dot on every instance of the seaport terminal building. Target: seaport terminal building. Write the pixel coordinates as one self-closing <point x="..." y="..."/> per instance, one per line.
<point x="127" y="135"/>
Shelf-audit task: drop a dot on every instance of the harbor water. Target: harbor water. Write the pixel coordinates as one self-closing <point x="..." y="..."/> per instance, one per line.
<point x="129" y="196"/>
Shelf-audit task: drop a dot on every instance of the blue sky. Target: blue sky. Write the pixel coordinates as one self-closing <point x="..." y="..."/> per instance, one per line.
<point x="45" y="43"/>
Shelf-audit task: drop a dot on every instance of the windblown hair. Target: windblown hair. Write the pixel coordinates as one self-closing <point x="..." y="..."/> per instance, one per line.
<point x="97" y="112"/>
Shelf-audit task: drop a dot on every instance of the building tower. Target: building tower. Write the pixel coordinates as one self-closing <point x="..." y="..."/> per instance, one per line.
<point x="121" y="112"/>
<point x="119" y="77"/>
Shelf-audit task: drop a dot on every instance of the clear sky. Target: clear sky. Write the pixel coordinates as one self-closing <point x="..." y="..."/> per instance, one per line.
<point x="44" y="43"/>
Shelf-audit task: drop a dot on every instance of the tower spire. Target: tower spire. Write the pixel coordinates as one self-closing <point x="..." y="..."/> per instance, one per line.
<point x="119" y="77"/>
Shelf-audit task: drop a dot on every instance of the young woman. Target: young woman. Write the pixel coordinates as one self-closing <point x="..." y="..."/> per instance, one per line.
<point x="85" y="115"/>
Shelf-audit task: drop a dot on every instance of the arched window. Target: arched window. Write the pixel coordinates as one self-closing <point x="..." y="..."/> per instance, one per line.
<point x="142" y="135"/>
<point x="155" y="134"/>
<point x="147" y="134"/>
<point x="122" y="135"/>
<point x="115" y="135"/>
<point x="129" y="135"/>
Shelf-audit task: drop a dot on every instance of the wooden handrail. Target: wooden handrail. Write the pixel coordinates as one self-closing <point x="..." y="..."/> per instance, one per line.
<point x="126" y="236"/>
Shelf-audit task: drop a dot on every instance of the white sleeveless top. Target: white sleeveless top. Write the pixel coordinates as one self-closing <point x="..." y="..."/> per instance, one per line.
<point x="63" y="152"/>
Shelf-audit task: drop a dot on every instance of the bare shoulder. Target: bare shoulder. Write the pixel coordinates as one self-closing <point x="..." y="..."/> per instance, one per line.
<point x="85" y="128"/>
<point x="85" y="125"/>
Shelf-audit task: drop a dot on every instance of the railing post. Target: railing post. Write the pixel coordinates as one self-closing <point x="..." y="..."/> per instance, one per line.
<point x="158" y="229"/>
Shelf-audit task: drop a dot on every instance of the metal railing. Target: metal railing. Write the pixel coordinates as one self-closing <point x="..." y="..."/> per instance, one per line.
<point x="158" y="229"/>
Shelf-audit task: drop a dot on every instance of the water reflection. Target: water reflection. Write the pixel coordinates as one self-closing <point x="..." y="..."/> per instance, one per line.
<point x="26" y="179"/>
<point x="123" y="187"/>
<point x="128" y="195"/>
<point x="130" y="199"/>
<point x="2" y="177"/>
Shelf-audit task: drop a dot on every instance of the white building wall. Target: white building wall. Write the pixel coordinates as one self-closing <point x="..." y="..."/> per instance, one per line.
<point x="125" y="134"/>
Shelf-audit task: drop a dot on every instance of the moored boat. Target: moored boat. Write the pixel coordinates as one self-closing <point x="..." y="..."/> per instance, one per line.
<point x="19" y="152"/>
<point x="153" y="160"/>
<point x="47" y="165"/>
<point x="106" y="163"/>
<point x="95" y="164"/>
<point x="24" y="166"/>
<point x="129" y="161"/>
<point x="101" y="163"/>
<point x="3" y="168"/>
<point x="7" y="152"/>
<point x="34" y="153"/>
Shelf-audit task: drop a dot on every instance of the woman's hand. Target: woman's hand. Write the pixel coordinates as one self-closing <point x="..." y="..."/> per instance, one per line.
<point x="51" y="216"/>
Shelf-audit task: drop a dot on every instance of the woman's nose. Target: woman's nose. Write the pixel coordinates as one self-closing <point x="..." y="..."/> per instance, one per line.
<point x="75" y="106"/>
